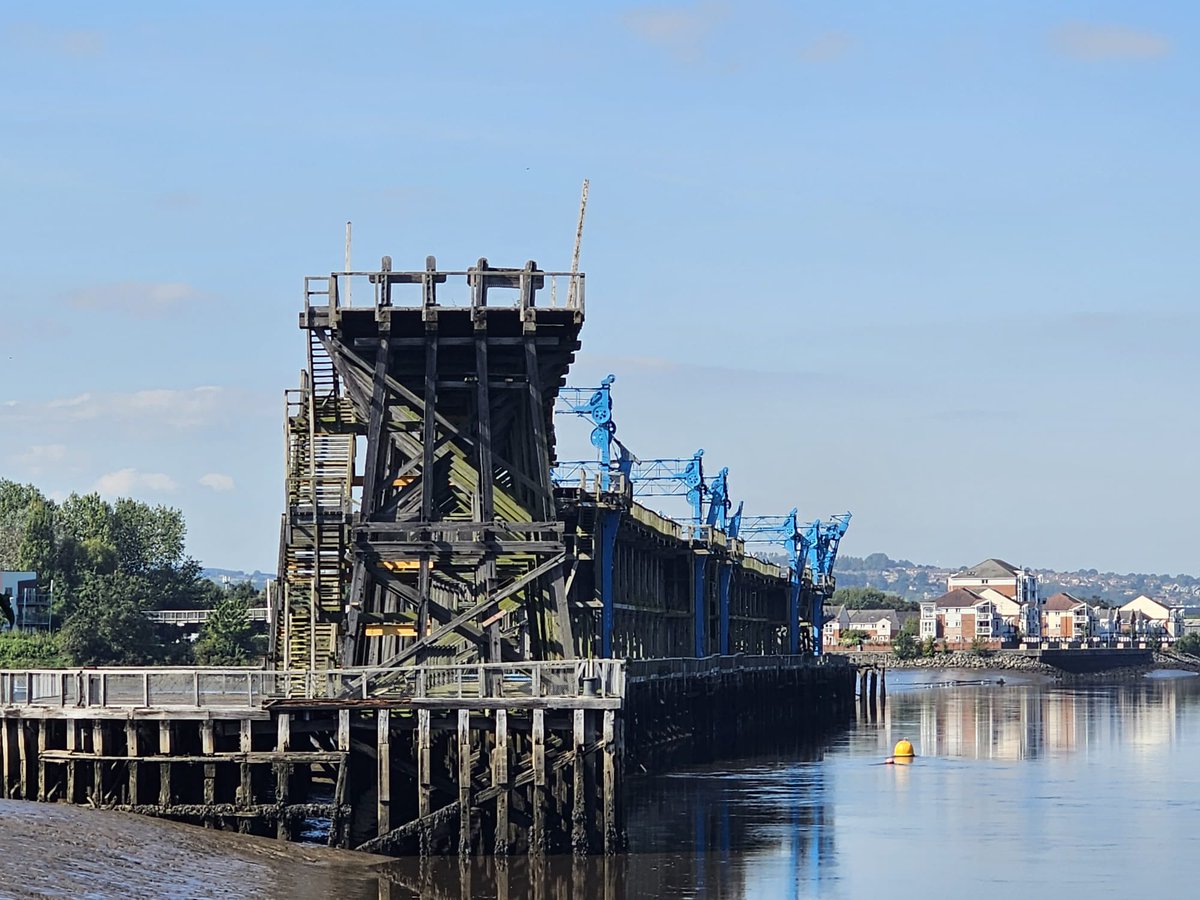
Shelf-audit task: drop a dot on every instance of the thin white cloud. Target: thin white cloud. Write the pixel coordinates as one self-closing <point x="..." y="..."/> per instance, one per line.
<point x="78" y="43"/>
<point x="828" y="47"/>
<point x="141" y="299"/>
<point x="42" y="459"/>
<point x="177" y="409"/>
<point x="684" y="31"/>
<point x="125" y="482"/>
<point x="217" y="482"/>
<point x="1084" y="41"/>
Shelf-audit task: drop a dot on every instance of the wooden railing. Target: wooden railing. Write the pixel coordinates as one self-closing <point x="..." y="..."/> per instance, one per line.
<point x="241" y="688"/>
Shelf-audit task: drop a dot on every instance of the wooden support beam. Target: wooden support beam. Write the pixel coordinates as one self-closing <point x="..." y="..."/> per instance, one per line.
<point x="579" y="789"/>
<point x="537" y="792"/>
<point x="72" y="766"/>
<point x="133" y="749"/>
<point x="610" y="786"/>
<point x="464" y="782"/>
<point x="7" y="754"/>
<point x="164" y="768"/>
<point x="383" y="756"/>
<point x="208" y="747"/>
<point x="99" y="749"/>
<point x="41" y="765"/>
<point x="500" y="781"/>
<point x="24" y="751"/>
<point x="245" y="792"/>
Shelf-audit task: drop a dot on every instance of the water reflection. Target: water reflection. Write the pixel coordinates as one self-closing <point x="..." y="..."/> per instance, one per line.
<point x="1025" y="721"/>
<point x="1075" y="788"/>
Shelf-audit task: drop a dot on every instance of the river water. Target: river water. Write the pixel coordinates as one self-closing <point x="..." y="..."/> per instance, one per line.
<point x="1022" y="787"/>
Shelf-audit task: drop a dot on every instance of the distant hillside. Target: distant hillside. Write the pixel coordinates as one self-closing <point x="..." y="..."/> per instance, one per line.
<point x="233" y="576"/>
<point x="918" y="582"/>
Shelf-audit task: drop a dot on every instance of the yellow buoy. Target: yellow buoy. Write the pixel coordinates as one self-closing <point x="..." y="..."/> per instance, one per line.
<point x="903" y="750"/>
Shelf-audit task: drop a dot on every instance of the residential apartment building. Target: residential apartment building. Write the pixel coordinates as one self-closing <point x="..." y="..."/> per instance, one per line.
<point x="960" y="616"/>
<point x="1021" y="607"/>
<point x="1153" y="618"/>
<point x="1067" y="618"/>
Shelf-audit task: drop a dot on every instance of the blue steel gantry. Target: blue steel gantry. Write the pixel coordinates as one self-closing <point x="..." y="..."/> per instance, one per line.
<point x="617" y="479"/>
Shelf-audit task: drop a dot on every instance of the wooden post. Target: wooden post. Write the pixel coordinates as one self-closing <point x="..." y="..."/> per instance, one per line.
<point x="283" y="775"/>
<point x="500" y="781"/>
<point x="72" y="764"/>
<point x="6" y="751"/>
<point x="612" y="838"/>
<point x="208" y="746"/>
<point x="579" y="836"/>
<point x="98" y="745"/>
<point x="41" y="765"/>
<point x="464" y="782"/>
<point x="245" y="794"/>
<point x="164" y="768"/>
<point x="23" y="750"/>
<point x="132" y="751"/>
<point x="537" y="835"/>
<point x="339" y="830"/>
<point x="424" y="775"/>
<point x="384" y="760"/>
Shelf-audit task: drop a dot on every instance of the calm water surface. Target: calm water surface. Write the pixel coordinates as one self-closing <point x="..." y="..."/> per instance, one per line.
<point x="1023" y="788"/>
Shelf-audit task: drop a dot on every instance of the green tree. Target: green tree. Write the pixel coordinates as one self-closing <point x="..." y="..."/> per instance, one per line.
<point x="228" y="638"/>
<point x="905" y="645"/>
<point x="1189" y="644"/>
<point x="33" y="650"/>
<point x="36" y="551"/>
<point x="870" y="598"/>
<point x="108" y="625"/>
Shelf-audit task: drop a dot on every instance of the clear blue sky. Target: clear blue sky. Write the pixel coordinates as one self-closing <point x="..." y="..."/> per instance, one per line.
<point x="930" y="262"/>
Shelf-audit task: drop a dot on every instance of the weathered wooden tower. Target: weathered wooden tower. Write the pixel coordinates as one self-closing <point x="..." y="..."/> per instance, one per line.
<point x="450" y="550"/>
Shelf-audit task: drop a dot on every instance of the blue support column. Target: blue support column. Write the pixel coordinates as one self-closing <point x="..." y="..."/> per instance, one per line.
<point x="609" y="522"/>
<point x="698" y="604"/>
<point x="818" y="622"/>
<point x="723" y="586"/>
<point x="794" y="616"/>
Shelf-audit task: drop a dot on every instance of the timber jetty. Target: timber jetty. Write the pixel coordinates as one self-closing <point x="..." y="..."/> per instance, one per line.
<point x="471" y="641"/>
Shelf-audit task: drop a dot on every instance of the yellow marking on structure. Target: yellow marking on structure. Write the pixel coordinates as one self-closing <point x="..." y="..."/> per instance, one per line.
<point x="391" y="629"/>
<point x="404" y="481"/>
<point x="401" y="565"/>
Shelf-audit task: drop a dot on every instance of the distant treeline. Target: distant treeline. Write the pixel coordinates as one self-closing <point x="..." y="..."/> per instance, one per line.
<point x="109" y="563"/>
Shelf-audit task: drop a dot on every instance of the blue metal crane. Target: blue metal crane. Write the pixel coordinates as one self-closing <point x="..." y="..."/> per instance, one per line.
<point x="789" y="533"/>
<point x="594" y="404"/>
<point x="823" y="538"/>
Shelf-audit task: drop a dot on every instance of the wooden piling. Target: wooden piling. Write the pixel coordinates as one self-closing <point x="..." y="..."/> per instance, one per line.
<point x="424" y="776"/>
<point x="164" y="768"/>
<point x="537" y="834"/>
<point x="464" y="782"/>
<point x="611" y="823"/>
<point x="383" y="756"/>
<point x="501" y="783"/>
<point x="6" y="750"/>
<point x="579" y="791"/>
<point x="133" y="751"/>
<point x="72" y="764"/>
<point x="24" y="752"/>
<point x="99" y="749"/>
<point x="41" y="764"/>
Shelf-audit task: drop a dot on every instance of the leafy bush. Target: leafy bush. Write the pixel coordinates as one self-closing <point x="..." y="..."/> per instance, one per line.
<point x="33" y="650"/>
<point x="1189" y="644"/>
<point x="928" y="647"/>
<point x="905" y="646"/>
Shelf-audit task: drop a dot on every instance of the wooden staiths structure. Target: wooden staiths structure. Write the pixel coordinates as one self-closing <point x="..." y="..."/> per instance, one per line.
<point x="420" y="525"/>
